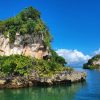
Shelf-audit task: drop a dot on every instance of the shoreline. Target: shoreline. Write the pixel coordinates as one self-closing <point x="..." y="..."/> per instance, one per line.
<point x="63" y="77"/>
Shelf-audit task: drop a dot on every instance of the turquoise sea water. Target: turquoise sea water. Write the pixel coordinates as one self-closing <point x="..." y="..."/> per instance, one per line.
<point x="89" y="90"/>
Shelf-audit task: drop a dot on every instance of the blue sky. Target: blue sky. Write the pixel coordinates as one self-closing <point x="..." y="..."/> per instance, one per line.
<point x="74" y="24"/>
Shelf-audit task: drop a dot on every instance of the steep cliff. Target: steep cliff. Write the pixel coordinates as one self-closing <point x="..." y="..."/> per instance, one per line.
<point x="93" y="63"/>
<point x="25" y="34"/>
<point x="27" y="45"/>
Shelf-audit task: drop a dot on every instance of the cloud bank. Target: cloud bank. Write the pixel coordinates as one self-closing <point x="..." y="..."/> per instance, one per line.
<point x="73" y="57"/>
<point x="97" y="52"/>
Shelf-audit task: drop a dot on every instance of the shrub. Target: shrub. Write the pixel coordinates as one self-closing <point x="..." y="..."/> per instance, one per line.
<point x="56" y="58"/>
<point x="15" y="64"/>
<point x="22" y="65"/>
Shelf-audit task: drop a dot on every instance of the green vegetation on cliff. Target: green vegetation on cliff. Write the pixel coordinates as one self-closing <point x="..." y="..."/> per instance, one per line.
<point x="27" y="21"/>
<point x="15" y="64"/>
<point x="93" y="63"/>
<point x="22" y="65"/>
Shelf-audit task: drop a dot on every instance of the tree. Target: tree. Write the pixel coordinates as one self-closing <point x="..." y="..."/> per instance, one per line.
<point x="55" y="57"/>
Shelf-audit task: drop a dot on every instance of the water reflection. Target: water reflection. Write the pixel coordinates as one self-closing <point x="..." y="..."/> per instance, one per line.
<point x="42" y="93"/>
<point x="81" y="91"/>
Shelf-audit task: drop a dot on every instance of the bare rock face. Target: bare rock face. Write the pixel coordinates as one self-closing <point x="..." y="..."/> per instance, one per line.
<point x="28" y="45"/>
<point x="96" y="62"/>
<point x="2" y="82"/>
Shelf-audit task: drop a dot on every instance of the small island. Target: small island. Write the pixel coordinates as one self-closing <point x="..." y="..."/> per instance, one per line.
<point x="26" y="56"/>
<point x="93" y="63"/>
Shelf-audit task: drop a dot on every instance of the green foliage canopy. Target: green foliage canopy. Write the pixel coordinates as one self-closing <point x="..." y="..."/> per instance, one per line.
<point x="22" y="65"/>
<point x="15" y="64"/>
<point x="56" y="58"/>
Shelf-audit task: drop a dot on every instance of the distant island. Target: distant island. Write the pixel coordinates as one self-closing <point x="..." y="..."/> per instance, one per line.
<point x="26" y="56"/>
<point x="93" y="63"/>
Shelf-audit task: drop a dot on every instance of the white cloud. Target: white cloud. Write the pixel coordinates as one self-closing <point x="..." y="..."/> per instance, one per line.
<point x="73" y="57"/>
<point x="97" y="52"/>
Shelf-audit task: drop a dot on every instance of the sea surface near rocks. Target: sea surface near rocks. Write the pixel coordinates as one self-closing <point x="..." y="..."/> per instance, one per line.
<point x="89" y="90"/>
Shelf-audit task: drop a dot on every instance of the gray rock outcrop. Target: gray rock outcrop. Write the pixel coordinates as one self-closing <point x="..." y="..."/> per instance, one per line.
<point x="28" y="45"/>
<point x="63" y="77"/>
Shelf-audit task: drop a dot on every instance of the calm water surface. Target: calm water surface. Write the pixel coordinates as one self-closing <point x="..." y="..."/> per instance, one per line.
<point x="89" y="90"/>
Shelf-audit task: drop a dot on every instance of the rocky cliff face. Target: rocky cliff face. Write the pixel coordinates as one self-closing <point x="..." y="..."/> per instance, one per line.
<point x="28" y="45"/>
<point x="96" y="62"/>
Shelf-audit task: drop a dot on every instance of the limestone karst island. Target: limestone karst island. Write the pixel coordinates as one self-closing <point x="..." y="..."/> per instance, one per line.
<point x="26" y="56"/>
<point x="93" y="63"/>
